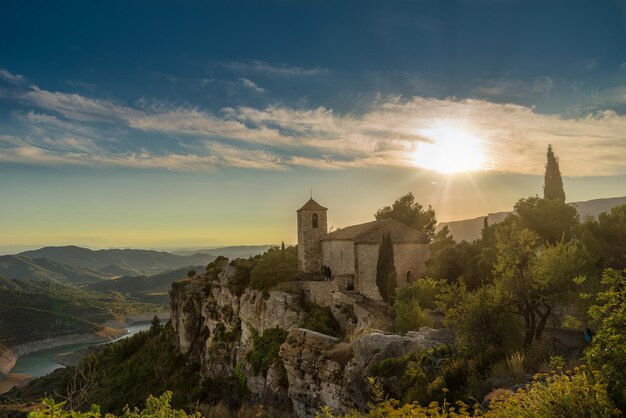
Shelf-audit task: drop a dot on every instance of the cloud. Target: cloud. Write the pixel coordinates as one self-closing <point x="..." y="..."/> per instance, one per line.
<point x="251" y="85"/>
<point x="11" y="78"/>
<point x="515" y="89"/>
<point x="387" y="131"/>
<point x="275" y="70"/>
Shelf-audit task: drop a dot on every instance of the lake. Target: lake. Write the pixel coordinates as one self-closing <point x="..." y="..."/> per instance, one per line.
<point x="40" y="363"/>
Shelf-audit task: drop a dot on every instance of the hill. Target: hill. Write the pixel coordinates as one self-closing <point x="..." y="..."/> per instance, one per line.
<point x="237" y="251"/>
<point x="118" y="271"/>
<point x="469" y="229"/>
<point x="39" y="269"/>
<point x="151" y="289"/>
<point x="142" y="261"/>
<point x="36" y="309"/>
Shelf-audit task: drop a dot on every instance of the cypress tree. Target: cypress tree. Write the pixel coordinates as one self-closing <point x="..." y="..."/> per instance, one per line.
<point x="553" y="183"/>
<point x="386" y="270"/>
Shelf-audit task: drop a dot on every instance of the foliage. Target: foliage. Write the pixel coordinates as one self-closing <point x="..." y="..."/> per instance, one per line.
<point x="320" y="319"/>
<point x="155" y="325"/>
<point x="581" y="394"/>
<point x="274" y="267"/>
<point x="486" y="328"/>
<point x="607" y="352"/>
<point x="265" y="349"/>
<point x="386" y="277"/>
<point x="409" y="316"/>
<point x="241" y="278"/>
<point x="155" y="407"/>
<point x="552" y="220"/>
<point x="553" y="182"/>
<point x="536" y="278"/>
<point x="605" y="238"/>
<point x="406" y="210"/>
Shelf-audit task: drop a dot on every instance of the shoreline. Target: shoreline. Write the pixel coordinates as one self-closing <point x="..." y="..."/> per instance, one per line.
<point x="111" y="331"/>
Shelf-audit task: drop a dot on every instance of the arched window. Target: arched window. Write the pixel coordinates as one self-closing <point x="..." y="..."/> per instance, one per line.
<point x="315" y="220"/>
<point x="410" y="277"/>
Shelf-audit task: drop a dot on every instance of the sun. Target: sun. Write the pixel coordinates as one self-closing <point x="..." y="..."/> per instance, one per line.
<point x="452" y="150"/>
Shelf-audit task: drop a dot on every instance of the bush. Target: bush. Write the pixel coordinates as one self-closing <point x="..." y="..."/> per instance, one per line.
<point x="265" y="349"/>
<point x="321" y="320"/>
<point x="408" y="316"/>
<point x="274" y="267"/>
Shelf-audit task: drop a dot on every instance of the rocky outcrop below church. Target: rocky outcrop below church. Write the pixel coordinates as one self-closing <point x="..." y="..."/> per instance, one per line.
<point x="216" y="329"/>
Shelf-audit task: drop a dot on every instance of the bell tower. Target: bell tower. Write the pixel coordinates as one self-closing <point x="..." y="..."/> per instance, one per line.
<point x="312" y="226"/>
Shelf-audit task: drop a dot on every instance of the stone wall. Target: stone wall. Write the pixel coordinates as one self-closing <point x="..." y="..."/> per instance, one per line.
<point x="309" y="245"/>
<point x="339" y="256"/>
<point x="407" y="257"/>
<point x="319" y="292"/>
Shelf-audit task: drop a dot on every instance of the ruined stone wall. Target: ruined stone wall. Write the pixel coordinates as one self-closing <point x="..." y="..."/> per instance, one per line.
<point x="339" y="256"/>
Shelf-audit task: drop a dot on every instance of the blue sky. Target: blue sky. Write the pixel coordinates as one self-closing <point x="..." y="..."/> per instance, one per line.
<point x="206" y="123"/>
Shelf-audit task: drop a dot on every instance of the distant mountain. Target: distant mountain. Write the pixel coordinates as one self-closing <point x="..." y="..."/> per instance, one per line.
<point x="238" y="251"/>
<point x="142" y="261"/>
<point x="152" y="289"/>
<point x="118" y="271"/>
<point x="470" y="229"/>
<point x="39" y="269"/>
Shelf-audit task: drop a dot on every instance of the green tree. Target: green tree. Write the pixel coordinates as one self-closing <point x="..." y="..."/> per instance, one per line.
<point x="605" y="238"/>
<point x="386" y="279"/>
<point x="442" y="262"/>
<point x="607" y="352"/>
<point x="155" y="325"/>
<point x="552" y="220"/>
<point x="553" y="182"/>
<point x="406" y="210"/>
<point x="535" y="277"/>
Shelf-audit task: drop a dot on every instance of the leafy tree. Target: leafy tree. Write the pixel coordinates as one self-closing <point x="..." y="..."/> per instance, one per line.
<point x="191" y="274"/>
<point x="535" y="277"/>
<point x="605" y="238"/>
<point x="553" y="182"/>
<point x="274" y="266"/>
<point x="386" y="277"/>
<point x="442" y="262"/>
<point x="155" y="325"/>
<point x="607" y="352"/>
<point x="552" y="219"/>
<point x="406" y="210"/>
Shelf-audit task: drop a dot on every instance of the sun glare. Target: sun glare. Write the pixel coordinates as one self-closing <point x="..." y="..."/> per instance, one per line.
<point x="452" y="150"/>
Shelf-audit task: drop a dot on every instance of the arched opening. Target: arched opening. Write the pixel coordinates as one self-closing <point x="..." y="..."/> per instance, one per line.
<point x="315" y="220"/>
<point x="410" y="277"/>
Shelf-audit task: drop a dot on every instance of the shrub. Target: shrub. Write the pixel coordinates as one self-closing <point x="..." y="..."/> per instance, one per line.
<point x="265" y="349"/>
<point x="321" y="320"/>
<point x="408" y="316"/>
<point x="274" y="267"/>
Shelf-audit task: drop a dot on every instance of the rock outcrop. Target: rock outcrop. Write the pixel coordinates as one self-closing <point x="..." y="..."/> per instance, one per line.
<point x="215" y="329"/>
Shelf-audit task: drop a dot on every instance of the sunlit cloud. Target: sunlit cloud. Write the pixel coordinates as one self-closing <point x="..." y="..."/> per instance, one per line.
<point x="390" y="131"/>
<point x="271" y="69"/>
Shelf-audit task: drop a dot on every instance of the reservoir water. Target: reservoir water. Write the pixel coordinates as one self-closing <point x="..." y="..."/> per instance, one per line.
<point x="40" y="363"/>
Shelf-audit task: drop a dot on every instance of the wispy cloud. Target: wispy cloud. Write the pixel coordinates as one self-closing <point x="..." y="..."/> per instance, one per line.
<point x="10" y="77"/>
<point x="251" y="85"/>
<point x="74" y="129"/>
<point x="272" y="69"/>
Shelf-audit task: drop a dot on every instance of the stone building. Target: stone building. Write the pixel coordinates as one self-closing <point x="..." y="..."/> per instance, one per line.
<point x="350" y="254"/>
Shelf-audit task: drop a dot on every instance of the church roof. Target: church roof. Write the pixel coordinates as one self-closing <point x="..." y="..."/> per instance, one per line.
<point x="372" y="233"/>
<point x="312" y="205"/>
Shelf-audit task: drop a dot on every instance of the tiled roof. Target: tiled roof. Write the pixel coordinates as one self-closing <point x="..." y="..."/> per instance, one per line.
<point x="312" y="205"/>
<point x="372" y="233"/>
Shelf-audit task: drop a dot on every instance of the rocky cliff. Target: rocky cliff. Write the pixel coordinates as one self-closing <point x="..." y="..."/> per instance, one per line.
<point x="216" y="329"/>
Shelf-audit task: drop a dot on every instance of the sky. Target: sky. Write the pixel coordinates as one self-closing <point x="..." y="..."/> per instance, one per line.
<point x="162" y="124"/>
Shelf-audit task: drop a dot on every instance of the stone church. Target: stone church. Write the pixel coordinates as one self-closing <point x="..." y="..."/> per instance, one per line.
<point x="348" y="256"/>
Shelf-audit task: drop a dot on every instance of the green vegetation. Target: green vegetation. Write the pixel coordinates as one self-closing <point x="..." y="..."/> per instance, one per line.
<point x="155" y="407"/>
<point x="32" y="310"/>
<point x="386" y="279"/>
<point x="553" y="183"/>
<point x="317" y="318"/>
<point x="265" y="350"/>
<point x="411" y="303"/>
<point x="607" y="352"/>
<point x="406" y="210"/>
<point x="274" y="267"/>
